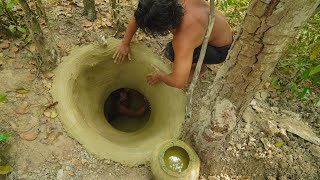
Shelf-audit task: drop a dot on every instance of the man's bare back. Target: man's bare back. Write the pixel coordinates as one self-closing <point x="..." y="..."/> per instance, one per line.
<point x="195" y="21"/>
<point x="187" y="20"/>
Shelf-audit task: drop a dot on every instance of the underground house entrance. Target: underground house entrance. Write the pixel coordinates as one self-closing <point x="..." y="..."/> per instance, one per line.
<point x="84" y="81"/>
<point x="127" y="110"/>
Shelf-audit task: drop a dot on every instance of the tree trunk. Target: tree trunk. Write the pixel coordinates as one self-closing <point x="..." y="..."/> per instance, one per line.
<point x="268" y="28"/>
<point x="47" y="52"/>
<point x="89" y="10"/>
<point x="115" y="14"/>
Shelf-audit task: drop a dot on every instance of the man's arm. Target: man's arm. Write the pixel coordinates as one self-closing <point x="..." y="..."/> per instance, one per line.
<point x="123" y="110"/>
<point x="181" y="67"/>
<point x="130" y="31"/>
<point x="123" y="49"/>
<point x="183" y="53"/>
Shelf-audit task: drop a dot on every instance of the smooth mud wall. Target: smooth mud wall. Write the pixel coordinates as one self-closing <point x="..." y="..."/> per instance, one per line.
<point x="84" y="81"/>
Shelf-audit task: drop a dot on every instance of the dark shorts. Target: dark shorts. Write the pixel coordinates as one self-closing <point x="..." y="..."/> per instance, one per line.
<point x="214" y="55"/>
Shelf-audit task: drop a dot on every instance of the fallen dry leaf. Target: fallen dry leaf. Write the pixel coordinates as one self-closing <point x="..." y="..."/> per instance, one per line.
<point x="29" y="136"/>
<point x="20" y="95"/>
<point x="47" y="114"/>
<point x="72" y="3"/>
<point x="46" y="84"/>
<point x="22" y="91"/>
<point x="33" y="70"/>
<point x="87" y="24"/>
<point x="54" y="114"/>
<point x="32" y="48"/>
<point x="11" y="54"/>
<point x="22" y="108"/>
<point x="48" y="74"/>
<point x="14" y="49"/>
<point x="53" y="136"/>
<point x="109" y="23"/>
<point x="50" y="114"/>
<point x="109" y="16"/>
<point x="139" y="37"/>
<point x="51" y="104"/>
<point x="5" y="44"/>
<point x="69" y="15"/>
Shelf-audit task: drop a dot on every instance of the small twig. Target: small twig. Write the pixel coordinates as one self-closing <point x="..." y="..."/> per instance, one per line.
<point x="41" y="11"/>
<point x="200" y="61"/>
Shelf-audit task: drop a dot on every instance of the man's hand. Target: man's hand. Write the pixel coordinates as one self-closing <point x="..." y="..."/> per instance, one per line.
<point x="155" y="77"/>
<point x="122" y="51"/>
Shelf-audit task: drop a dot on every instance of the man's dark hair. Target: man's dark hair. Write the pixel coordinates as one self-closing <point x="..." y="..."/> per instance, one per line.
<point x="156" y="17"/>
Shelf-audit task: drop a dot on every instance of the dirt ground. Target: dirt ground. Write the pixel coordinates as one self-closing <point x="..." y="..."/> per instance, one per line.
<point x="261" y="147"/>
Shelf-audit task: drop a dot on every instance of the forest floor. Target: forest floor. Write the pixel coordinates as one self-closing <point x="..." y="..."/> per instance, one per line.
<point x="276" y="139"/>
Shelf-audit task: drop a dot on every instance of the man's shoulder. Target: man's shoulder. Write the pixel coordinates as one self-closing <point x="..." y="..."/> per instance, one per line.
<point x="188" y="34"/>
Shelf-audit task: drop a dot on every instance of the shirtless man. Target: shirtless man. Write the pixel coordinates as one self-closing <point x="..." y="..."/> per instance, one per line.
<point x="187" y="20"/>
<point x="118" y="104"/>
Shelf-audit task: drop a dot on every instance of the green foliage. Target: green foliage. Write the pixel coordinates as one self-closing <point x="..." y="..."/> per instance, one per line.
<point x="299" y="71"/>
<point x="9" y="17"/>
<point x="13" y="29"/>
<point x="234" y="10"/>
<point x="3" y="98"/>
<point x="28" y="39"/>
<point x="279" y="143"/>
<point x="4" y="136"/>
<point x="4" y="169"/>
<point x="231" y="4"/>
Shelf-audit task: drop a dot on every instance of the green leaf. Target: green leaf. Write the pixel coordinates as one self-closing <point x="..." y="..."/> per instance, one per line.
<point x="274" y="82"/>
<point x="315" y="80"/>
<point x="305" y="74"/>
<point x="279" y="144"/>
<point x="304" y="92"/>
<point x="9" y="5"/>
<point x="315" y="70"/>
<point x="12" y="28"/>
<point x="315" y="53"/>
<point x="27" y="40"/>
<point x="5" y="169"/>
<point x="14" y="1"/>
<point x="4" y="136"/>
<point x="3" y="98"/>
<point x="22" y="91"/>
<point x="224" y="4"/>
<point x="22" y="30"/>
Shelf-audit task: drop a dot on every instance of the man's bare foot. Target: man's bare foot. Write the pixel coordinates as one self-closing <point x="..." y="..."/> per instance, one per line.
<point x="203" y="71"/>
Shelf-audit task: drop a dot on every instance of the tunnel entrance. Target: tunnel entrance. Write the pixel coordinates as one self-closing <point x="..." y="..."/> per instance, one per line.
<point x="82" y="85"/>
<point x="127" y="110"/>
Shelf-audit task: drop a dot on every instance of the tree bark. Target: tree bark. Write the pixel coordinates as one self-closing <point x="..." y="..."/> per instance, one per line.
<point x="268" y="28"/>
<point x="89" y="10"/>
<point x="47" y="52"/>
